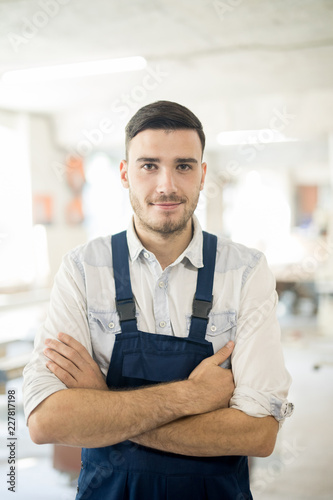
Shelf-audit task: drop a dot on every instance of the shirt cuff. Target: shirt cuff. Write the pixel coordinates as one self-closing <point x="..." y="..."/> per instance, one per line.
<point x="281" y="409"/>
<point x="32" y="400"/>
<point x="258" y="404"/>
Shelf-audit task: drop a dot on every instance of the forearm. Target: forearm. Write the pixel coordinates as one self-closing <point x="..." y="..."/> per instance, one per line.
<point x="89" y="415"/>
<point x="219" y="433"/>
<point x="95" y="418"/>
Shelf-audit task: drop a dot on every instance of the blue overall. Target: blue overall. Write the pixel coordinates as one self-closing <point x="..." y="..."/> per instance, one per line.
<point x="126" y="471"/>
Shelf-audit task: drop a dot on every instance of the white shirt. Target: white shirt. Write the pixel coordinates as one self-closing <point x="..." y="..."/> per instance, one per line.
<point x="82" y="304"/>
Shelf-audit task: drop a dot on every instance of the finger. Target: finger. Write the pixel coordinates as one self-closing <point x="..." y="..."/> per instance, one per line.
<point x="75" y="344"/>
<point x="64" y="377"/>
<point x="63" y="362"/>
<point x="65" y="351"/>
<point x="222" y="354"/>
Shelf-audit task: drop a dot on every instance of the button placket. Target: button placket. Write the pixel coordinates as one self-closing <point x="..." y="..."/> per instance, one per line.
<point x="161" y="304"/>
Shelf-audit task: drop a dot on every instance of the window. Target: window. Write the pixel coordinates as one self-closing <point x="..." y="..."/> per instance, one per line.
<point x="19" y="241"/>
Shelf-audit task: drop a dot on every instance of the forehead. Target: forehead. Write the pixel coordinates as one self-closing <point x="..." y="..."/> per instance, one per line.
<point x="165" y="143"/>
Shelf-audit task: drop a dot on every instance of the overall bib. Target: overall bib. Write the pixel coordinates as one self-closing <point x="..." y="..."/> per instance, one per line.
<point x="127" y="471"/>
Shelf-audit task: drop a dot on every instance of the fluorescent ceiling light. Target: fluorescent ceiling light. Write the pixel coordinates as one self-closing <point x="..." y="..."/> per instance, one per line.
<point x="265" y="135"/>
<point x="75" y="70"/>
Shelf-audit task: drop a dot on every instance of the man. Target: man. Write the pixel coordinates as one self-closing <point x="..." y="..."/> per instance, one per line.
<point x="125" y="366"/>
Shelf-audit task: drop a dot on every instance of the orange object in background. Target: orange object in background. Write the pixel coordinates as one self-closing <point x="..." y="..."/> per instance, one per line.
<point x="75" y="173"/>
<point x="306" y="203"/>
<point x="43" y="208"/>
<point x="75" y="179"/>
<point x="74" y="211"/>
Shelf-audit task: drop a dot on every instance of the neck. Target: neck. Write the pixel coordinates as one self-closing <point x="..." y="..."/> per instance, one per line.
<point x="166" y="247"/>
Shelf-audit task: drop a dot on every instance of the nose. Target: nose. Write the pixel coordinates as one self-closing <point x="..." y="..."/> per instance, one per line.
<point x="166" y="182"/>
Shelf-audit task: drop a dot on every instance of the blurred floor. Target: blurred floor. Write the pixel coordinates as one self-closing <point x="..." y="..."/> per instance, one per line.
<point x="36" y="479"/>
<point x="299" y="468"/>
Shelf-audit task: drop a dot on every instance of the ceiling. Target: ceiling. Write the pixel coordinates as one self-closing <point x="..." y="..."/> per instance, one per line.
<point x="235" y="63"/>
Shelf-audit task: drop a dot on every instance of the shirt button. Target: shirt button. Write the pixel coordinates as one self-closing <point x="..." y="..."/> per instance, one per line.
<point x="161" y="284"/>
<point x="146" y="255"/>
<point x="213" y="328"/>
<point x="162" y="324"/>
<point x="111" y="325"/>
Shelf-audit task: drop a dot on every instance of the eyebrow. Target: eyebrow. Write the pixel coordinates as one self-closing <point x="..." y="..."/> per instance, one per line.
<point x="157" y="160"/>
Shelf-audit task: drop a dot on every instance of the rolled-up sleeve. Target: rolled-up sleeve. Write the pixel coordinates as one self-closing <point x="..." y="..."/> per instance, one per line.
<point x="67" y="313"/>
<point x="261" y="379"/>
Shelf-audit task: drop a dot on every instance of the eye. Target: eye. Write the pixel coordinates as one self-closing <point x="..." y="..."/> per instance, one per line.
<point x="149" y="166"/>
<point x="184" y="167"/>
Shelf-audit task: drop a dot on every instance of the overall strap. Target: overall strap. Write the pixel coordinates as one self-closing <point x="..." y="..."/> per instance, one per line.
<point x="203" y="298"/>
<point x="124" y="296"/>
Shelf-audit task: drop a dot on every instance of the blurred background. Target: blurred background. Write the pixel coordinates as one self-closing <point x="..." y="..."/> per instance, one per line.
<point x="259" y="75"/>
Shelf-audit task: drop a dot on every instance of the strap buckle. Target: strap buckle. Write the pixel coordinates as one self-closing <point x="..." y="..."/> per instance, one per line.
<point x="201" y="308"/>
<point x="125" y="309"/>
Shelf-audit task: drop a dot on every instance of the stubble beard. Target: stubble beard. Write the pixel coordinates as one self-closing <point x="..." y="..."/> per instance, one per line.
<point x="168" y="226"/>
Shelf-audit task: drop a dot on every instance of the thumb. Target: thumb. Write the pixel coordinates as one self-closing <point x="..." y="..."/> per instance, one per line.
<point x="222" y="354"/>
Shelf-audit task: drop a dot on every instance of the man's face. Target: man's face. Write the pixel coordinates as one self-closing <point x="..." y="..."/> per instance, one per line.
<point x="164" y="175"/>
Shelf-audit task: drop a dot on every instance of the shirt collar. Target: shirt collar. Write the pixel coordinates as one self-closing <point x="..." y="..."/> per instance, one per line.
<point x="193" y="252"/>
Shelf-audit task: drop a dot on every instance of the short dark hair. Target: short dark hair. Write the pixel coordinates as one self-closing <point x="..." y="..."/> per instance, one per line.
<point x="163" y="115"/>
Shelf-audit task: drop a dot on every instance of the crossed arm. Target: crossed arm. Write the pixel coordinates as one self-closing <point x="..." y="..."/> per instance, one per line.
<point x="189" y="417"/>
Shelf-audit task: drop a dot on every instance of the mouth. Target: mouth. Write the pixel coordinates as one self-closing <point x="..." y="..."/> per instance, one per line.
<point x="167" y="206"/>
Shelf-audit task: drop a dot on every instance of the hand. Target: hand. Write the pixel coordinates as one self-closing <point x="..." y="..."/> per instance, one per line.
<point x="214" y="385"/>
<point x="72" y="364"/>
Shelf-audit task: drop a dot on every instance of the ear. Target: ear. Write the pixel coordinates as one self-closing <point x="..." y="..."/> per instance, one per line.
<point x="204" y="171"/>
<point x="123" y="174"/>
